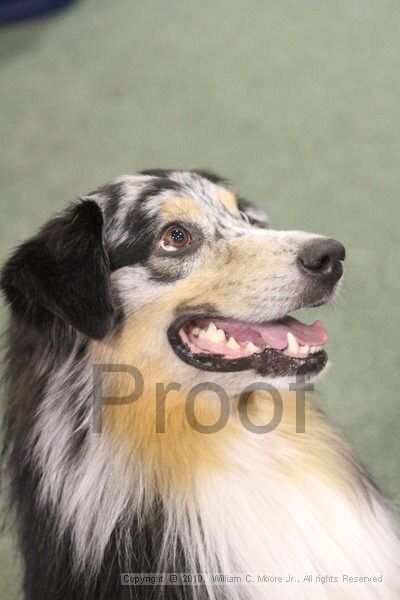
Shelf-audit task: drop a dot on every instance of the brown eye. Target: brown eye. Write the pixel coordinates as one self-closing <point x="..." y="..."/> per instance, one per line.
<point x="175" y="238"/>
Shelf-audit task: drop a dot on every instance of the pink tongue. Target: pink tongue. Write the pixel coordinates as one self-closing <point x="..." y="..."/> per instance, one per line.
<point x="274" y="334"/>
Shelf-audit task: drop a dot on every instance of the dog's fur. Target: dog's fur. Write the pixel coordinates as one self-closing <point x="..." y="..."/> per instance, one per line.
<point x="92" y="288"/>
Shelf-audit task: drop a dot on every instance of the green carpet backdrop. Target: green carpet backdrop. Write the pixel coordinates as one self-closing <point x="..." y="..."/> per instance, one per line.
<point x="296" y="102"/>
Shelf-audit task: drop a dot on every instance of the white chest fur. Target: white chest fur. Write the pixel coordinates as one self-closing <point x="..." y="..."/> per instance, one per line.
<point x="294" y="505"/>
<point x="262" y="520"/>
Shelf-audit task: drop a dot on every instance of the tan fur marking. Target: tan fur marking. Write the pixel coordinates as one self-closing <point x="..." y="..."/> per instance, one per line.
<point x="173" y="459"/>
<point x="181" y="207"/>
<point x="229" y="200"/>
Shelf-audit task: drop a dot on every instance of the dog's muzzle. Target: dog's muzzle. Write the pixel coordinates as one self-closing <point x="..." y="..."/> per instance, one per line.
<point x="278" y="348"/>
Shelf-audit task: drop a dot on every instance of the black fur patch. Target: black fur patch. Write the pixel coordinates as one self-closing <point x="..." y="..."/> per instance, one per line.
<point x="63" y="271"/>
<point x="112" y="194"/>
<point x="138" y="244"/>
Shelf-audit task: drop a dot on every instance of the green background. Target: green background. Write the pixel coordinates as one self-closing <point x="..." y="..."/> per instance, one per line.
<point x="297" y="102"/>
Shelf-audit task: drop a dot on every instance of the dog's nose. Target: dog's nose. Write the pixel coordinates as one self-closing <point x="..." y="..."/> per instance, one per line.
<point x="323" y="258"/>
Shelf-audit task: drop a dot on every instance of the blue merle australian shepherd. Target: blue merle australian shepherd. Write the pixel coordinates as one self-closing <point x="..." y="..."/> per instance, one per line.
<point x="165" y="295"/>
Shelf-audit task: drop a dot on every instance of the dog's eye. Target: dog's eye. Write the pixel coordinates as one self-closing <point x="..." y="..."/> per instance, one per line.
<point x="175" y="238"/>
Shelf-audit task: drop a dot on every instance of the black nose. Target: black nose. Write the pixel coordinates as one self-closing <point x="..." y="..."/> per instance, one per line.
<point x="323" y="259"/>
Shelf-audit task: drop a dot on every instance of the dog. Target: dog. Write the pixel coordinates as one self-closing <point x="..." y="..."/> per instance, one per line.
<point x="156" y="418"/>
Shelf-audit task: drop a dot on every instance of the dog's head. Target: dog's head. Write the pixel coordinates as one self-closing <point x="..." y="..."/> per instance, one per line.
<point x="172" y="270"/>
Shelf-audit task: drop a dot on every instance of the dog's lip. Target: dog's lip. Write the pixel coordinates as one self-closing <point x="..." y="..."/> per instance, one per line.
<point x="269" y="362"/>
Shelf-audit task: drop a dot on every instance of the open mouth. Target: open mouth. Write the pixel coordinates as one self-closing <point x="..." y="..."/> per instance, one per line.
<point x="276" y="348"/>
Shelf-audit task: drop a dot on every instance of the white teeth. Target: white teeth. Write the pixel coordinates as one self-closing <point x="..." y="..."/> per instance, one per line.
<point x="232" y="344"/>
<point x="293" y="347"/>
<point x="252" y="347"/>
<point x="213" y="333"/>
<point x="219" y="335"/>
<point x="315" y="349"/>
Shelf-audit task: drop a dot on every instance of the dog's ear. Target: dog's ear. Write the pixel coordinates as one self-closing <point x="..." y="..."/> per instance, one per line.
<point x="254" y="214"/>
<point x="64" y="270"/>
